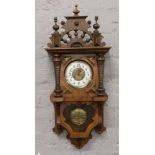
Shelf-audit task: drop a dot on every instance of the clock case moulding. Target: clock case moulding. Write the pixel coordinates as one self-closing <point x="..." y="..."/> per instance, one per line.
<point x="78" y="111"/>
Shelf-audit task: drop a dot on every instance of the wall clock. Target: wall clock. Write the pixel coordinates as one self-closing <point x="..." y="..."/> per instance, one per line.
<point x="79" y="94"/>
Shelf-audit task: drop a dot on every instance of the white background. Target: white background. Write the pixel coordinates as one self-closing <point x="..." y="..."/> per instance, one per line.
<point x="137" y="75"/>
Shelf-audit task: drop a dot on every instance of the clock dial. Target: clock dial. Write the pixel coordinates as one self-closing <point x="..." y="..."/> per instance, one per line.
<point x="78" y="74"/>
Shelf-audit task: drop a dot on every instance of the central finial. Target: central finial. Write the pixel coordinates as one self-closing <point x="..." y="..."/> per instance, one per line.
<point x="76" y="11"/>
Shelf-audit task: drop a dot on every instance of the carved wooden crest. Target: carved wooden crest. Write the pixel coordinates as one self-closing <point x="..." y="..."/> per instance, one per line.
<point x="75" y="32"/>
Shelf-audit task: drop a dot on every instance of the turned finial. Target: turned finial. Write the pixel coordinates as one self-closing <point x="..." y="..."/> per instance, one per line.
<point x="96" y="26"/>
<point x="96" y="18"/>
<point x="76" y="11"/>
<point x="55" y="27"/>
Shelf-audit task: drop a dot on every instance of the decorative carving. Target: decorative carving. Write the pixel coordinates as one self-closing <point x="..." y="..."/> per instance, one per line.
<point x="67" y="91"/>
<point x="76" y="33"/>
<point x="65" y="59"/>
<point x="92" y="59"/>
<point x="78" y="110"/>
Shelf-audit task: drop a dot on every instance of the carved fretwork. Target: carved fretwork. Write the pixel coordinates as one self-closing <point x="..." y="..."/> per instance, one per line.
<point x="75" y="32"/>
<point x="78" y="110"/>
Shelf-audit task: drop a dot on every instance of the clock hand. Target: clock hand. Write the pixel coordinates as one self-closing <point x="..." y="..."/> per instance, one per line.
<point x="78" y="72"/>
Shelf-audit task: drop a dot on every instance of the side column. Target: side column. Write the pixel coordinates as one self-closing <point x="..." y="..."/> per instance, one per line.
<point x="100" y="63"/>
<point x="57" y="66"/>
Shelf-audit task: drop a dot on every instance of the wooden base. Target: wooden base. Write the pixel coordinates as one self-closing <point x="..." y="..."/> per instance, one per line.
<point x="79" y="142"/>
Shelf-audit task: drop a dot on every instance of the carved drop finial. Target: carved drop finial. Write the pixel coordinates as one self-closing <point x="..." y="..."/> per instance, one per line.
<point x="55" y="27"/>
<point x="76" y="11"/>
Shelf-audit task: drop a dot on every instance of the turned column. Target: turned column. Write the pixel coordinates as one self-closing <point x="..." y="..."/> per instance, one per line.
<point x="57" y="65"/>
<point x="100" y="127"/>
<point x="100" y="63"/>
<point x="58" y="128"/>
